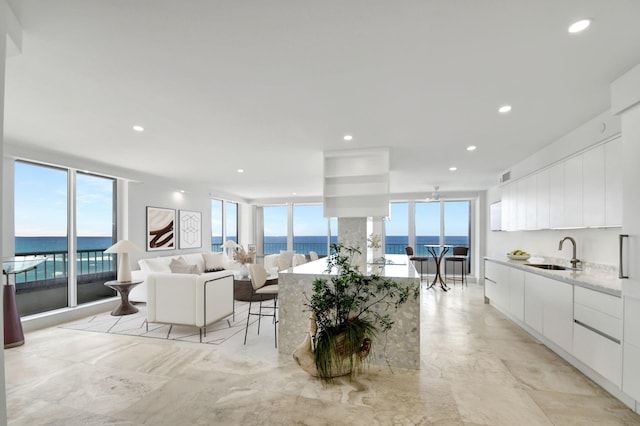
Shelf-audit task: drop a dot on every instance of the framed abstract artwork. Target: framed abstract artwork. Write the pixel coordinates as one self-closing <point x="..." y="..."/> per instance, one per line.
<point x="161" y="229"/>
<point x="190" y="229"/>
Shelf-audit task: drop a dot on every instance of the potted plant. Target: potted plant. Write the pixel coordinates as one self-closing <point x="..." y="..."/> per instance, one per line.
<point x="348" y="310"/>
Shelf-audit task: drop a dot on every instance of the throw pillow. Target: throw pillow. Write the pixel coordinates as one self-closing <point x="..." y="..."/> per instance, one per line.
<point x="213" y="260"/>
<point x="177" y="262"/>
<point x="214" y="270"/>
<point x="183" y="269"/>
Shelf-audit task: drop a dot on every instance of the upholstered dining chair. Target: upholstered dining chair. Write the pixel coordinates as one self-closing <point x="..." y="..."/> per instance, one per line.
<point x="459" y="256"/>
<point x="261" y="292"/>
<point x="313" y="255"/>
<point x="298" y="259"/>
<point x="421" y="259"/>
<point x="282" y="263"/>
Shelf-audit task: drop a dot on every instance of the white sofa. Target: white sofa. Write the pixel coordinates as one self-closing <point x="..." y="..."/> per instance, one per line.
<point x="162" y="265"/>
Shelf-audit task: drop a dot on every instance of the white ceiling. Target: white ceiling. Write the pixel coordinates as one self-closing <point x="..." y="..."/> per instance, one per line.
<point x="267" y="86"/>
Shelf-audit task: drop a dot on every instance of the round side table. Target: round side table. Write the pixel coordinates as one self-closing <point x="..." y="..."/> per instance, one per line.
<point x="125" y="307"/>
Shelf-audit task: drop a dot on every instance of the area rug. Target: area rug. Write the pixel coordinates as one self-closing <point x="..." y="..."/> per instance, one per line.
<point x="135" y="325"/>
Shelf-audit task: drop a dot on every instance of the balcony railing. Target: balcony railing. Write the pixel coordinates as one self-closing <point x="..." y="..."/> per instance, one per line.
<point x="91" y="264"/>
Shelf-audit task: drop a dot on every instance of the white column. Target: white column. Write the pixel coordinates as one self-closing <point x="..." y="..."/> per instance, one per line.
<point x="10" y="32"/>
<point x="352" y="232"/>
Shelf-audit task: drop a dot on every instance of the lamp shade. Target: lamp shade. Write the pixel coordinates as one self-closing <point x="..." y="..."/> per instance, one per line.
<point x="123" y="248"/>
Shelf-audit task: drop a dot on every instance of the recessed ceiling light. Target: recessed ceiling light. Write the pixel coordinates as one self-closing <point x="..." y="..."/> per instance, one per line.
<point x="504" y="109"/>
<point x="347" y="137"/>
<point x="453" y="169"/>
<point x="240" y="170"/>
<point x="579" y="26"/>
<point x="294" y="194"/>
<point x="471" y="148"/>
<point x="138" y="128"/>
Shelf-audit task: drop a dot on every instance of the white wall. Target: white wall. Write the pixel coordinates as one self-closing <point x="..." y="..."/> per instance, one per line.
<point x="143" y="195"/>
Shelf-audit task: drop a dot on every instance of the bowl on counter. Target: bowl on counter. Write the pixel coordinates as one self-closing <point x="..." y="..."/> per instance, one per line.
<point x="518" y="257"/>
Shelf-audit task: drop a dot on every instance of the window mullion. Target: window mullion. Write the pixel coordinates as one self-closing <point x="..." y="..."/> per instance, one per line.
<point x="72" y="273"/>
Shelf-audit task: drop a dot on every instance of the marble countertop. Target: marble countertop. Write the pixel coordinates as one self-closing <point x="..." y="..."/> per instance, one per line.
<point x="399" y="267"/>
<point x="602" y="280"/>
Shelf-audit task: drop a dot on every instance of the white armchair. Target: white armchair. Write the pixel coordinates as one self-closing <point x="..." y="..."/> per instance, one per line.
<point x="189" y="299"/>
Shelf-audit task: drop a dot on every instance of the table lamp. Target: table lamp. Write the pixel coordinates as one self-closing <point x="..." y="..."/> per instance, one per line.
<point x="123" y="248"/>
<point x="229" y="244"/>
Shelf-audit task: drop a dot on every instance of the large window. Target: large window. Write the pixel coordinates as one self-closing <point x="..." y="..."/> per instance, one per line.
<point x="310" y="229"/>
<point x="41" y="228"/>
<point x="427" y="227"/>
<point x="231" y="221"/>
<point x="397" y="229"/>
<point x="275" y="229"/>
<point x="96" y="231"/>
<point x="216" y="225"/>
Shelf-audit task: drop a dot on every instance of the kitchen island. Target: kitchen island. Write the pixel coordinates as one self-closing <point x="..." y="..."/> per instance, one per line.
<point x="400" y="347"/>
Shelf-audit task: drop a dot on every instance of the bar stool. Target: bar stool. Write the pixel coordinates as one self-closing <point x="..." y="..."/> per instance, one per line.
<point x="261" y="292"/>
<point x="459" y="256"/>
<point x="409" y="251"/>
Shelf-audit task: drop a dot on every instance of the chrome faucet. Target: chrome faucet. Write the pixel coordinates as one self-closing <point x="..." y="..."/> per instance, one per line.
<point x="574" y="261"/>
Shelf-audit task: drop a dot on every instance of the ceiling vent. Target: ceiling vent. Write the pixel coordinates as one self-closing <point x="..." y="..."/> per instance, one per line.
<point x="505" y="177"/>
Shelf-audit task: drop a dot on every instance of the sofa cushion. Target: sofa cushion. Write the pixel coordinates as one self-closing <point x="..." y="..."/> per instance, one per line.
<point x="195" y="259"/>
<point x="159" y="264"/>
<point x="214" y="261"/>
<point x="178" y="268"/>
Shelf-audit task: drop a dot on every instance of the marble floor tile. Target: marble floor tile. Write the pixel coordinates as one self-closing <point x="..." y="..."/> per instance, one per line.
<point x="477" y="369"/>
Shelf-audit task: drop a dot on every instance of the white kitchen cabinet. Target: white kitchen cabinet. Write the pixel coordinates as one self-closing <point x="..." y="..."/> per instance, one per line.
<point x="557" y="316"/>
<point x="542" y="199"/>
<point x="573" y="192"/>
<point x="505" y="215"/>
<point x="598" y="352"/>
<point x="597" y="332"/>
<point x="556" y="196"/>
<point x="496" y="290"/>
<point x="515" y="284"/>
<point x="626" y="102"/>
<point x="522" y="204"/>
<point x="631" y="348"/>
<point x="593" y="185"/>
<point x="533" y="301"/>
<point x="513" y="206"/>
<point x="549" y="309"/>
<point x="613" y="182"/>
<point x="531" y="209"/>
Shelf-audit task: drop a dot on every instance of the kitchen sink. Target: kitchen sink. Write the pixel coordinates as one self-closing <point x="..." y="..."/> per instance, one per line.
<point x="548" y="266"/>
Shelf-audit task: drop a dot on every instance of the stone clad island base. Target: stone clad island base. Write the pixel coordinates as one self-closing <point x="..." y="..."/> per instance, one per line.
<point x="400" y="347"/>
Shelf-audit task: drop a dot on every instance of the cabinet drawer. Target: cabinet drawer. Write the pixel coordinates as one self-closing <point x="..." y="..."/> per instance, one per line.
<point x="604" y="303"/>
<point x="602" y="322"/>
<point x="598" y="352"/>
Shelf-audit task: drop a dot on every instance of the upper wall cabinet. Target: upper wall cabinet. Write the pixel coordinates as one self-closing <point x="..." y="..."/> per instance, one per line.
<point x="582" y="191"/>
<point x="613" y="183"/>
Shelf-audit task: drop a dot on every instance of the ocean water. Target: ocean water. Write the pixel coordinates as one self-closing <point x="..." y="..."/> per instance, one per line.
<point x="27" y="245"/>
<point x="90" y="257"/>
<point x="394" y="244"/>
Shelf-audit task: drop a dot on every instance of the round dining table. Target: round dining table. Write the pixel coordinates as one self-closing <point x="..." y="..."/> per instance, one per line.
<point x="437" y="258"/>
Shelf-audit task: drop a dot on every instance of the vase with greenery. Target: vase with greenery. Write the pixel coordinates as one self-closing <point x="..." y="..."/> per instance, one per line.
<point x="348" y="310"/>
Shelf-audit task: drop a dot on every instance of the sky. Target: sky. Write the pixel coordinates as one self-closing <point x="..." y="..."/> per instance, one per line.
<point x="41" y="210"/>
<point x="41" y="202"/>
